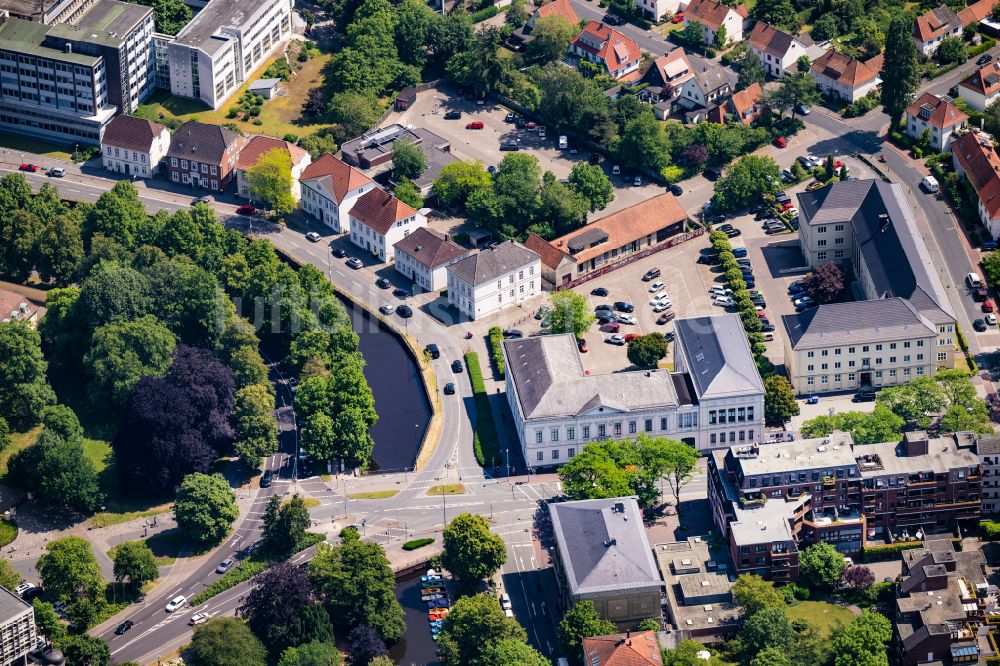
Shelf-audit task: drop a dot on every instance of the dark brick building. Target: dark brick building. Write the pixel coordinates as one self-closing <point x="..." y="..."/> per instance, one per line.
<point x="203" y="156"/>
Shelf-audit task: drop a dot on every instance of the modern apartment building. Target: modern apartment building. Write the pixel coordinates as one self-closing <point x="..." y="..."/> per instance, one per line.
<point x="988" y="449"/>
<point x="715" y="395"/>
<point x="17" y="628"/>
<point x="222" y="46"/>
<point x="770" y="501"/>
<point x="48" y="13"/>
<point x="902" y="325"/>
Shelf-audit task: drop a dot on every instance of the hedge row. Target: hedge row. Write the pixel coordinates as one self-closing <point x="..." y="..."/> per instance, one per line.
<point x="485" y="441"/>
<point x="418" y="543"/>
<point x="874" y="553"/>
<point x="988" y="43"/>
<point x="484" y="14"/>
<point x="496" y="349"/>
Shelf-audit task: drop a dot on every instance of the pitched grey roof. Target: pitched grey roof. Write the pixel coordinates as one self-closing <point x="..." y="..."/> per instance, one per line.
<point x="711" y="79"/>
<point x="493" y="262"/>
<point x="861" y="322"/>
<point x="716" y="354"/>
<point x="550" y="382"/>
<point x="429" y="248"/>
<point x="602" y="546"/>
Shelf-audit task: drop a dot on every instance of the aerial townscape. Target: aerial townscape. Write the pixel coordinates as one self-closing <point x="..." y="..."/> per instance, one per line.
<point x="499" y="332"/>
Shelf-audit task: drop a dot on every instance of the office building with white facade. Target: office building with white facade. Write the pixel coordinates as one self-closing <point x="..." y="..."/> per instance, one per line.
<point x="18" y="634"/>
<point x="222" y="46"/>
<point x="495" y="278"/>
<point x="714" y="397"/>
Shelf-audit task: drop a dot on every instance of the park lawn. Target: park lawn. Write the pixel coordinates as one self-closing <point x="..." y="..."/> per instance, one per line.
<point x="374" y="494"/>
<point x="823" y="616"/>
<point x="18" y="441"/>
<point x="279" y="116"/>
<point x="8" y="532"/>
<point x="447" y="489"/>
<point x="15" y="143"/>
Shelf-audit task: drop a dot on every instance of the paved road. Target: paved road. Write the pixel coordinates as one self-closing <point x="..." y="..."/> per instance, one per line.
<point x="942" y="84"/>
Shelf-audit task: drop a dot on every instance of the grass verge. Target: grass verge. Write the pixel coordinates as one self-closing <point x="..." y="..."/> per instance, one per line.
<point x="374" y="494"/>
<point x="8" y="532"/>
<point x="15" y="143"/>
<point x="106" y="518"/>
<point x="18" y="442"/>
<point x="418" y="543"/>
<point x="310" y="502"/>
<point x="244" y="571"/>
<point x="447" y="489"/>
<point x="485" y="440"/>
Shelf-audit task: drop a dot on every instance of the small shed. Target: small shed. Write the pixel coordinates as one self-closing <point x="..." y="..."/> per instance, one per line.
<point x="266" y="88"/>
<point x="405" y="98"/>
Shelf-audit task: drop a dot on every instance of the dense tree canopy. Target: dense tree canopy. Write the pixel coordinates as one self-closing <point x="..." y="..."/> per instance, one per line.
<point x="900" y="69"/>
<point x="69" y="570"/>
<point x="471" y="552"/>
<point x="205" y="508"/>
<point x="283" y="611"/>
<point x="821" y="565"/>
<point x="473" y="625"/>
<point x="213" y="644"/>
<point x="746" y="182"/>
<point x="124" y="352"/>
<point x="581" y="621"/>
<point x="135" y="563"/>
<point x="24" y="388"/>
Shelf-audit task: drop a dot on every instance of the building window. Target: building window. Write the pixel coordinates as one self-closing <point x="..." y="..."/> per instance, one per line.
<point x="602" y="430"/>
<point x="540" y="456"/>
<point x="618" y="428"/>
<point x="570" y="433"/>
<point x="648" y="425"/>
<point x="570" y="452"/>
<point x="555" y="454"/>
<point x="586" y="432"/>
<point x="538" y="437"/>
<point x="663" y="423"/>
<point x="711" y="440"/>
<point x="942" y="356"/>
<point x="631" y="427"/>
<point x="554" y="434"/>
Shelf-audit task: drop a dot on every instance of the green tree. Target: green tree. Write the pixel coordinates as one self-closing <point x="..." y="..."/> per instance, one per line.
<point x="516" y="186"/>
<point x="459" y="180"/>
<point x="643" y="144"/>
<point x="879" y="425"/>
<point x="581" y="621"/>
<point x="750" y="72"/>
<point x="512" y="651"/>
<point x="562" y="210"/>
<point x="471" y="552"/>
<point x="24" y="389"/>
<point x="668" y="458"/>
<point x="58" y="471"/>
<point x="693" y="35"/>
<point x="270" y="181"/>
<point x="551" y="35"/>
<point x="284" y="526"/>
<point x="4" y="434"/>
<point x="60" y="250"/>
<point x="779" y="13"/>
<point x="85" y="650"/>
<point x="900" y="70"/>
<point x="63" y="329"/>
<point x="590" y="182"/>
<point x="569" y="313"/>
<point x="352" y="438"/>
<point x="480" y="67"/>
<point x="914" y="400"/>
<point x="8" y="577"/>
<point x="779" y="400"/>
<point x="205" y="508"/>
<point x="113" y="293"/>
<point x="123" y="352"/>
<point x="796" y="90"/>
<point x="256" y="430"/>
<point x="771" y="656"/>
<point x="408" y="193"/>
<point x="357" y="586"/>
<point x="47" y="619"/>
<point x="754" y="594"/>
<point x="213" y="644"/>
<point x="135" y="563"/>
<point x="766" y="628"/>
<point x="119" y="214"/>
<point x="688" y="653"/>
<point x="951" y="50"/>
<point x="646" y="350"/>
<point x="408" y="159"/>
<point x="863" y="641"/>
<point x="19" y="235"/>
<point x="312" y="654"/>
<point x="69" y="570"/>
<point x="974" y="418"/>
<point x="169" y="15"/>
<point x="516" y="14"/>
<point x="826" y="27"/>
<point x="721" y="38"/>
<point x="746" y="182"/>
<point x="355" y="113"/>
<point x="474" y="624"/>
<point x="821" y="565"/>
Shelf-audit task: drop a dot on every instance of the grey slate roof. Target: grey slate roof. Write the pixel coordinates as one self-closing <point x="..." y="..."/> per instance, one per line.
<point x="862" y="322"/>
<point x="988" y="446"/>
<point x="549" y="380"/>
<point x="429" y="248"/>
<point x="711" y="79"/>
<point x="717" y="356"/>
<point x="584" y="531"/>
<point x="493" y="262"/>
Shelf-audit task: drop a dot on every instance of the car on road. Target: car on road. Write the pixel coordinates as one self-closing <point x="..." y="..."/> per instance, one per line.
<point x="802" y="109"/>
<point x="449" y="388"/>
<point x="780" y="142"/>
<point x="676" y="190"/>
<point x="615" y="340"/>
<point x="56" y="172"/>
<point x="383" y="283"/>
<point x="983" y="59"/>
<point x="456" y="366"/>
<point x="198" y="618"/>
<point x="312" y="237"/>
<point x="612" y="19"/>
<point x="864" y="396"/>
<point x="505" y="601"/>
<point x="656" y="286"/>
<point x="123" y="627"/>
<point x="475" y="125"/>
<point x="627" y="319"/>
<point x="453" y="115"/>
<point x="581" y="345"/>
<point x="512" y="334"/>
<point x="265" y="480"/>
<point x="979" y="325"/>
<point x="404" y="311"/>
<point x="338" y="252"/>
<point x="224" y="566"/>
<point x="713" y="173"/>
<point x="622" y="306"/>
<point x="385" y="309"/>
<point x="355" y="263"/>
<point x="27" y="166"/>
<point x="599" y="291"/>
<point x="651" y="274"/>
<point x="991" y="319"/>
<point x="176" y="603"/>
<point x="246" y="209"/>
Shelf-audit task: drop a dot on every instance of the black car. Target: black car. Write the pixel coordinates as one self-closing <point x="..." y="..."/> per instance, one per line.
<point x="513" y="334"/>
<point x="339" y="252"/>
<point x="599" y="291"/>
<point x="766" y="327"/>
<point x="733" y="233"/>
<point x="622" y="306"/>
<point x="612" y="19"/>
<point x="382" y="283"/>
<point x="606" y="320"/>
<point x="979" y="325"/>
<point x="669" y="336"/>
<point x="676" y="190"/>
<point x="453" y="115"/>
<point x="726" y="227"/>
<point x="399" y="292"/>
<point x="449" y="389"/>
<point x="983" y="59"/>
<point x="123" y="627"/>
<point x="456" y="366"/>
<point x="713" y="173"/>
<point x="520" y="122"/>
<point x="758" y="300"/>
<point x="509" y="146"/>
<point x="707" y="259"/>
<point x="404" y="311"/>
<point x="864" y="396"/>
<point x="265" y="481"/>
<point x="750" y="282"/>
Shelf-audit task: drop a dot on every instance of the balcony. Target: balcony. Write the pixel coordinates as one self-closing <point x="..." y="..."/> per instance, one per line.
<point x="829" y="480"/>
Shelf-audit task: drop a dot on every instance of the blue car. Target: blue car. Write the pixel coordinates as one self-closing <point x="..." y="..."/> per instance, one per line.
<point x="739" y="252"/>
<point x="812" y="400"/>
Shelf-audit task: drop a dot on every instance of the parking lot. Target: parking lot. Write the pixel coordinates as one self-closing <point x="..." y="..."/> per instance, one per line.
<point x="484" y="144"/>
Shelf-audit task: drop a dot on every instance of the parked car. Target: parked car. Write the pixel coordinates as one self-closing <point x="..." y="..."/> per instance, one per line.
<point x="355" y="263"/>
<point x="637" y="181"/>
<point x="612" y="19"/>
<point x="56" y="172"/>
<point x="988" y="246"/>
<point x="656" y="286"/>
<point x="616" y="170"/>
<point x="676" y="190"/>
<point x="780" y="142"/>
<point x="802" y="110"/>
<point x="611" y="327"/>
<point x="627" y="319"/>
<point x="541" y="132"/>
<point x="719" y="290"/>
<point x="449" y="388"/>
<point x="713" y="173"/>
<point x="987" y="306"/>
<point x="531" y="127"/>
<point x="509" y="118"/>
<point x="453" y="115"/>
<point x="24" y="589"/>
<point x="615" y="339"/>
<point x="661" y="306"/>
<point x="724" y="301"/>
<point x="399" y="292"/>
<point x="224" y="566"/>
<point x="512" y="334"/>
<point x="666" y="317"/>
<point x="991" y="319"/>
<point x="733" y="233"/>
<point x="599" y="291"/>
<point x="983" y="59"/>
<point x="385" y="309"/>
<point x="661" y="297"/>
<point x="739" y="252"/>
<point x="456" y="365"/>
<point x="246" y="209"/>
<point x="678" y="18"/>
<point x="582" y="345"/>
<point x="505" y="601"/>
<point x="383" y="283"/>
<point x="766" y="326"/>
<point x="509" y="145"/>
<point x="338" y="252"/>
<point x="979" y="325"/>
<point x="622" y="306"/>
<point x="815" y="185"/>
<point x="475" y="125"/>
<point x="651" y="274"/>
<point x="864" y="396"/>
<point x="29" y="167"/>
<point x="541" y="312"/>
<point x="787" y="176"/>
<point x="176" y="603"/>
<point x="606" y="318"/>
<point x="980" y="294"/>
<point x="631" y="336"/>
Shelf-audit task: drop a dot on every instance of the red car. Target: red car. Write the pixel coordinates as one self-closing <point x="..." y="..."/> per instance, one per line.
<point x="246" y="209"/>
<point x="780" y="142"/>
<point x="762" y="315"/>
<point x="678" y="18"/>
<point x="475" y="124"/>
<point x="531" y="126"/>
<point x="630" y="337"/>
<point x="29" y="167"/>
<point x="582" y="344"/>
<point x="987" y="306"/>
<point x="838" y="165"/>
<point x="787" y="205"/>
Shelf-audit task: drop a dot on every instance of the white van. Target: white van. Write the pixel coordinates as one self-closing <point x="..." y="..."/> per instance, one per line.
<point x="973" y="281"/>
<point x="563" y="143"/>
<point x="929" y="183"/>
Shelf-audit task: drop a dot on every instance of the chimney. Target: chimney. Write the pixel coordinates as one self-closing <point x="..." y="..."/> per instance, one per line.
<point x="915" y="443"/>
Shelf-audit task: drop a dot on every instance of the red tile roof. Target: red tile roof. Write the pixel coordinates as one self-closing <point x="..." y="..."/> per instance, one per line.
<point x="616" y="50"/>
<point x="768" y="39"/>
<point x="562" y="8"/>
<point x="940" y="113"/>
<point x="976" y="12"/>
<point x="674" y="64"/>
<point x="745" y="100"/>
<point x="637" y="648"/>
<point x="11" y="302"/>
<point x="711" y="14"/>
<point x="551" y="255"/>
<point x="978" y="159"/>
<point x="131" y="133"/>
<point x="259" y="144"/>
<point x="935" y="23"/>
<point x="985" y="80"/>
<point x="380" y="210"/>
<point x="336" y="176"/>
<point x="844" y="69"/>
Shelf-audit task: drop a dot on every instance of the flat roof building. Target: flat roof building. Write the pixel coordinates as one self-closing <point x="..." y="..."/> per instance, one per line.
<point x="699" y="599"/>
<point x="18" y="634"/>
